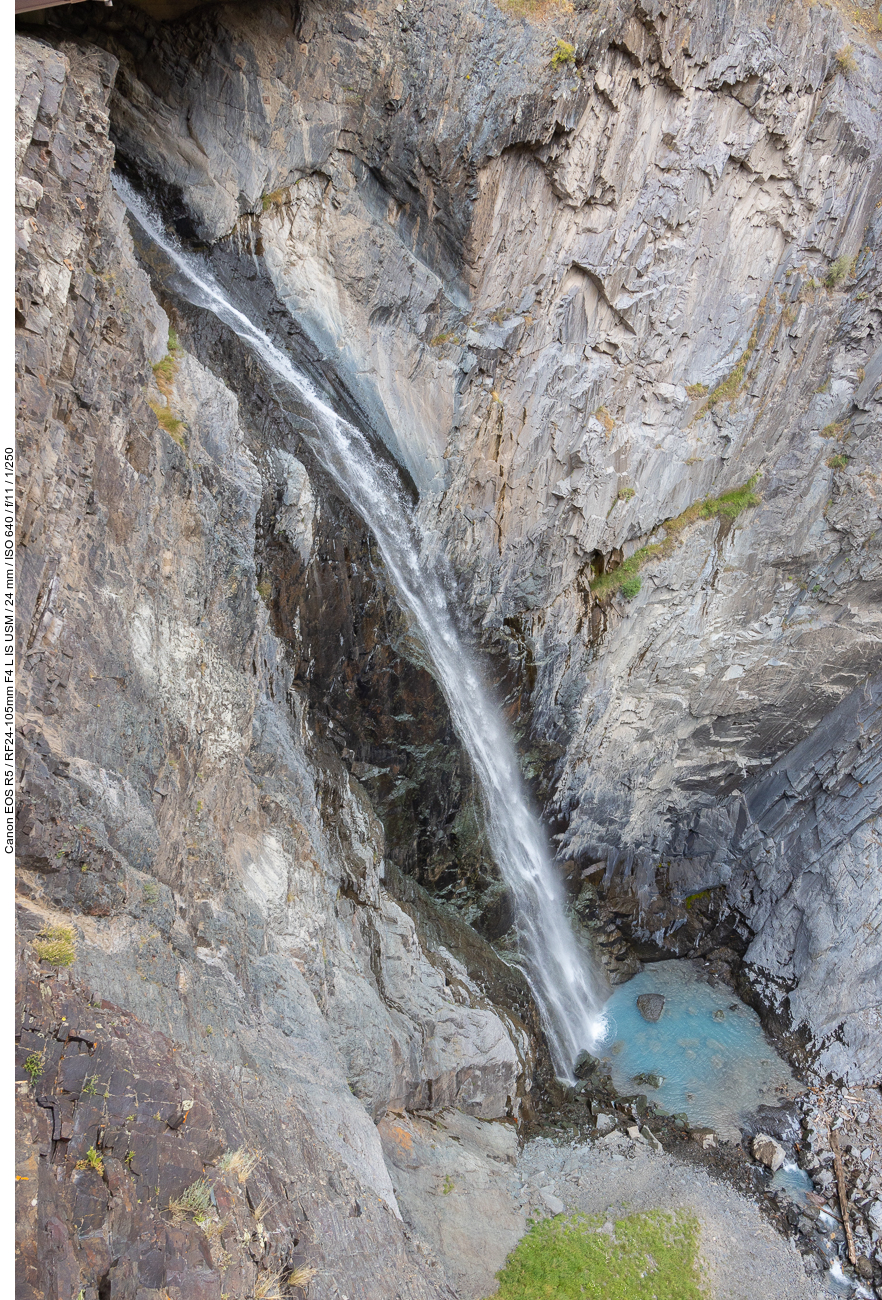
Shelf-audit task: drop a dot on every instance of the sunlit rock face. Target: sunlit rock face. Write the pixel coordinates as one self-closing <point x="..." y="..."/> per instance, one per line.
<point x="576" y="300"/>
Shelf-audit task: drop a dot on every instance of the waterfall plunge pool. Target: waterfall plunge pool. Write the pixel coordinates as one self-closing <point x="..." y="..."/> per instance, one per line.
<point x="707" y="1049"/>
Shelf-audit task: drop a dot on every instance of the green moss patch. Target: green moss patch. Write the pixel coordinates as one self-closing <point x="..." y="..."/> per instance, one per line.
<point x="651" y="1256"/>
<point x="729" y="505"/>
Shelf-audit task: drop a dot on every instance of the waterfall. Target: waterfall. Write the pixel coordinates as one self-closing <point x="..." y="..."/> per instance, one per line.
<point x="558" y="971"/>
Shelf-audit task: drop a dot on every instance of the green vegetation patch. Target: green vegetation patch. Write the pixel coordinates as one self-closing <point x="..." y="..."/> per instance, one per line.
<point x="168" y="421"/>
<point x="651" y="1256"/>
<point x="840" y="269"/>
<point x="57" y="945"/>
<point x="729" y="505"/>
<point x="564" y="55"/>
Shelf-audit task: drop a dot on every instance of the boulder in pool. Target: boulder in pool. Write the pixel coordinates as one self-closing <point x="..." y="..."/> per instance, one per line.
<point x="768" y="1152"/>
<point x="650" y="1080"/>
<point x="650" y="1006"/>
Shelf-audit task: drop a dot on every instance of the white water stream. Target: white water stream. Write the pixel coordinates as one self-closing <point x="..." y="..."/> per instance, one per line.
<point x="559" y="973"/>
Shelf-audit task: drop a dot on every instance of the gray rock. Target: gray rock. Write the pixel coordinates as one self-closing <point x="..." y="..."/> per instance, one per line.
<point x="769" y="1152"/>
<point x="552" y="1203"/>
<point x="651" y="1006"/>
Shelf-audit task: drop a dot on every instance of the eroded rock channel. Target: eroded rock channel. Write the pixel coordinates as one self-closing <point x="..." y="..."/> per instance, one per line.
<point x="601" y="286"/>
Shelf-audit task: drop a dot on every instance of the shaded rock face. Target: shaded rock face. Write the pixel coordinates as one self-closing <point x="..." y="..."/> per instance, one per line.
<point x="219" y="867"/>
<point x="576" y="302"/>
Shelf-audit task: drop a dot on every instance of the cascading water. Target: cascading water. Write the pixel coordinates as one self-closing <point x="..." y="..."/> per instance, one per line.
<point x="558" y="972"/>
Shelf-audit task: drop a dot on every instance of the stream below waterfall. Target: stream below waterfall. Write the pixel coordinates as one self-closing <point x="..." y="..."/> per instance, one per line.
<point x="559" y="972"/>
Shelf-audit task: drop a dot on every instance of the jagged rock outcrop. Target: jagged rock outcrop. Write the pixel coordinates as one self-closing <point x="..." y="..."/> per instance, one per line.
<point x="217" y="869"/>
<point x="577" y="299"/>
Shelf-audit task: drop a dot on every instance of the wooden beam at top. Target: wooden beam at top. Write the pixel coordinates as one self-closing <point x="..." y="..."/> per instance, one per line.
<point x="25" y="6"/>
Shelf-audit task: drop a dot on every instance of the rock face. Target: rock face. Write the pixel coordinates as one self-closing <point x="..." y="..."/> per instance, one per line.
<point x="620" y="311"/>
<point x="579" y="301"/>
<point x="219" y="870"/>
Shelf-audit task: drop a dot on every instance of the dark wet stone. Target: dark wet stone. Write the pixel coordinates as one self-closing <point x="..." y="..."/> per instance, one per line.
<point x="650" y="1006"/>
<point x="586" y="1065"/>
<point x="649" y="1080"/>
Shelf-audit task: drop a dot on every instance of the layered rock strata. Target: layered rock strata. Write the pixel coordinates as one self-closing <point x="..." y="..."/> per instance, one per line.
<point x="211" y="869"/>
<point x="580" y="295"/>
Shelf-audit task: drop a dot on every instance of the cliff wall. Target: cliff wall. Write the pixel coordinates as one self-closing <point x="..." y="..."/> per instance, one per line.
<point x="579" y="298"/>
<point x="213" y="865"/>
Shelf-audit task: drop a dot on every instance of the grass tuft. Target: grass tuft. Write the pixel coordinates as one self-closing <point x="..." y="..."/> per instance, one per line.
<point x="167" y="421"/>
<point x="448" y="336"/>
<point x="195" y="1201"/>
<point x="302" y="1276"/>
<point x="696" y="390"/>
<point x="572" y="1258"/>
<point x="837" y="462"/>
<point x="840" y="269"/>
<point x="242" y="1162"/>
<point x="603" y="415"/>
<point x="845" y="61"/>
<point x="57" y="945"/>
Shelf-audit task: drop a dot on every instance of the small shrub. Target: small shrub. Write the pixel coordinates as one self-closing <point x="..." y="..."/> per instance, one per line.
<point x="34" y="1066"/>
<point x="696" y="390"/>
<point x="624" y="494"/>
<point x="92" y="1161"/>
<point x="564" y="55"/>
<point x="302" y="1276"/>
<point x="195" y="1201"/>
<point x="845" y="61"/>
<point x="90" y="1085"/>
<point x="832" y="430"/>
<point x="448" y="1185"/>
<point x="56" y="944"/>
<point x="837" y="462"/>
<point x="448" y="336"/>
<point x="265" y="590"/>
<point x="631" y="586"/>
<point x="603" y="415"/>
<point x="840" y="269"/>
<point x="173" y="341"/>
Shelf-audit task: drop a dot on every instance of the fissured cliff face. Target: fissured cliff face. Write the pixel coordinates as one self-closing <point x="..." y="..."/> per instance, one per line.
<point x="578" y="297"/>
<point x="216" y="870"/>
